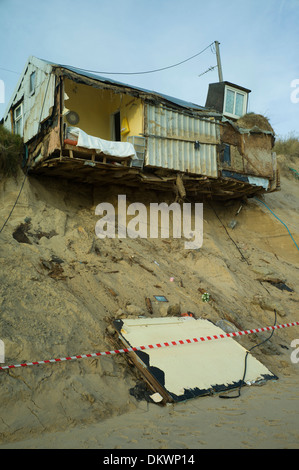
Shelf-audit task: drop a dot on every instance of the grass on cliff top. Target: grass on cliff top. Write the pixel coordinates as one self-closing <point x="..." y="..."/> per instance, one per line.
<point x="11" y="152"/>
<point x="287" y="146"/>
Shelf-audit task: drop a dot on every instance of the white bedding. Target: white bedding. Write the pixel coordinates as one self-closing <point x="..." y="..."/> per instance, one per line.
<point x="114" y="149"/>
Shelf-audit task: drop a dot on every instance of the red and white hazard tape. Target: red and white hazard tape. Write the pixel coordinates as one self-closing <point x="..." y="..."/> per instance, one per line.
<point x="158" y="345"/>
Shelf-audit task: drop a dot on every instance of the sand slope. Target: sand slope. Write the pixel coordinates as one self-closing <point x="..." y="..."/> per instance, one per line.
<point x="60" y="290"/>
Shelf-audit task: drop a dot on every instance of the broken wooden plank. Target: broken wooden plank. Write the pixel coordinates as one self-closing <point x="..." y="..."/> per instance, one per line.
<point x="148" y="304"/>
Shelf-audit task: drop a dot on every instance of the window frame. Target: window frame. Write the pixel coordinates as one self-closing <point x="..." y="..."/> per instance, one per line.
<point x="32" y="89"/>
<point x="235" y="91"/>
<point x="16" y="119"/>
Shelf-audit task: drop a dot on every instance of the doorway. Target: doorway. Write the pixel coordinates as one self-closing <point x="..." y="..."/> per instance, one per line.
<point x="116" y="127"/>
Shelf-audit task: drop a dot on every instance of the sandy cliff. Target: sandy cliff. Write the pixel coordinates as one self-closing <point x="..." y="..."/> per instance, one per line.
<point x="60" y="288"/>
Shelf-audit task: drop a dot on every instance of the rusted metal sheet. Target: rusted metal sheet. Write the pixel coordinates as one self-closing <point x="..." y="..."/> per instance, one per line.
<point x="182" y="142"/>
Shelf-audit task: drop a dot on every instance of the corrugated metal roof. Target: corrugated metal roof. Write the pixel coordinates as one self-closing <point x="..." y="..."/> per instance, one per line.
<point x="162" y="96"/>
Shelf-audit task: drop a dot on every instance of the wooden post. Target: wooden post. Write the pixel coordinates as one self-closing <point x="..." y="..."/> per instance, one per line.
<point x="219" y="61"/>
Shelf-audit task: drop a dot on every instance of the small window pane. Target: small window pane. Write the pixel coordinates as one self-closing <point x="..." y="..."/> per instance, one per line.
<point x="18" y="120"/>
<point x="19" y="127"/>
<point x="32" y="82"/>
<point x="229" y="104"/>
<point x="18" y="112"/>
<point x="239" y="104"/>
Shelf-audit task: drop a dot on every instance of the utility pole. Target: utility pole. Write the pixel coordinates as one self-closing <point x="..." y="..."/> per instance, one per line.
<point x="219" y="62"/>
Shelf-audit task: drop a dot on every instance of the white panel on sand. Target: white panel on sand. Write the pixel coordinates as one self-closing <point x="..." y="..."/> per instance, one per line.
<point x="194" y="369"/>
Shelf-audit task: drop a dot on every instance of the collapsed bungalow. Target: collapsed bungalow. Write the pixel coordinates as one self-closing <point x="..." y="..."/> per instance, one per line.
<point x="78" y="125"/>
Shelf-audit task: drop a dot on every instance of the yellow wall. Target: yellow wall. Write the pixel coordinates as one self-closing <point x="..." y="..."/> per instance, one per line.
<point x="95" y="108"/>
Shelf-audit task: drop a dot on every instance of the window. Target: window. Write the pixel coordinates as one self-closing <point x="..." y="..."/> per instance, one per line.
<point x="235" y="102"/>
<point x="18" y="120"/>
<point x="32" y="83"/>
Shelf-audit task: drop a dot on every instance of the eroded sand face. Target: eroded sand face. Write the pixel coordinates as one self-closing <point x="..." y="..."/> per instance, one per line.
<point x="51" y="309"/>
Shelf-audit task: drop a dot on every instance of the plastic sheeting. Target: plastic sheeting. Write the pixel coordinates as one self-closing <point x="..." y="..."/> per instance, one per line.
<point x="257" y="181"/>
<point x="111" y="148"/>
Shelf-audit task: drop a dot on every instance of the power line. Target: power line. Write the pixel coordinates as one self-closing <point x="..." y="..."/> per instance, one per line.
<point x="8" y="70"/>
<point x="135" y="73"/>
<point x="147" y="71"/>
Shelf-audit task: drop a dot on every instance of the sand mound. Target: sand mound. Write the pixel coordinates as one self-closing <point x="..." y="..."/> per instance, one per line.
<point x="254" y="121"/>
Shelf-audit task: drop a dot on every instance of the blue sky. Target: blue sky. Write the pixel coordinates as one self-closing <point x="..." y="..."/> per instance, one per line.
<point x="259" y="45"/>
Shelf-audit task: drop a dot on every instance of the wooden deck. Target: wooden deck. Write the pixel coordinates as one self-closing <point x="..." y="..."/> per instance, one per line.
<point x="82" y="166"/>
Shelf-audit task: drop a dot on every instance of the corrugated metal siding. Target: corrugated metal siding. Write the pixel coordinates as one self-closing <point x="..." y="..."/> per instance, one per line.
<point x="171" y="138"/>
